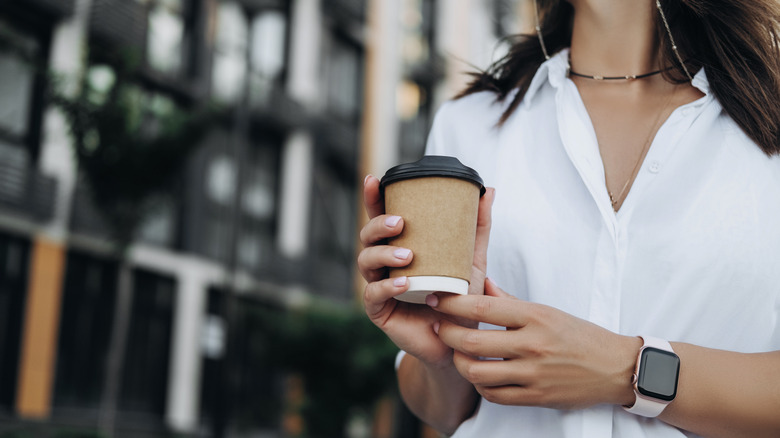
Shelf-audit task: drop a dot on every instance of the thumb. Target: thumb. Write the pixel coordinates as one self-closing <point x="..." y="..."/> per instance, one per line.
<point x="492" y="289"/>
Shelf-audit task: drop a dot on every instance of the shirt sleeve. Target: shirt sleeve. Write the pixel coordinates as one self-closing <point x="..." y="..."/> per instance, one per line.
<point x="398" y="358"/>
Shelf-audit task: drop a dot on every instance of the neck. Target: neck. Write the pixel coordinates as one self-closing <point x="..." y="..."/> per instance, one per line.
<point x="614" y="37"/>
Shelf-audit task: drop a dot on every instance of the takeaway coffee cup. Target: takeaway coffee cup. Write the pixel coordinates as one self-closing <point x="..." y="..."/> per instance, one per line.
<point x="438" y="197"/>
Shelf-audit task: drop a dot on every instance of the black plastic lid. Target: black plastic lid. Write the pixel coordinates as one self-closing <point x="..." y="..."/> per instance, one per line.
<point x="432" y="165"/>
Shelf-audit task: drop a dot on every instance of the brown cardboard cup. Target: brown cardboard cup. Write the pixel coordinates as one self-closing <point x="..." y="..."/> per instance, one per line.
<point x="438" y="198"/>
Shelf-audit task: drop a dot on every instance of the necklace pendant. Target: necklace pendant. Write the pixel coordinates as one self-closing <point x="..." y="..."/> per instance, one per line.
<point x="598" y="78"/>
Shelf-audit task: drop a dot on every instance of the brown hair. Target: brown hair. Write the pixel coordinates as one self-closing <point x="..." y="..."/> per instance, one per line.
<point x="737" y="41"/>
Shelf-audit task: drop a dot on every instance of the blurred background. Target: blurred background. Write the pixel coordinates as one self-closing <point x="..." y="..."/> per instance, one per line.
<point x="179" y="207"/>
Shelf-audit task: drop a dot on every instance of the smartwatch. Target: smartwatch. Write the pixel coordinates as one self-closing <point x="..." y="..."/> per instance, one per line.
<point x="655" y="378"/>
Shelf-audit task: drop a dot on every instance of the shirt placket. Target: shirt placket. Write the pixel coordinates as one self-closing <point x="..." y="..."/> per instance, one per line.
<point x="579" y="140"/>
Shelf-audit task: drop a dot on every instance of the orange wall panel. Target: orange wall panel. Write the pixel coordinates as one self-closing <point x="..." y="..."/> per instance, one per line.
<point x="41" y="326"/>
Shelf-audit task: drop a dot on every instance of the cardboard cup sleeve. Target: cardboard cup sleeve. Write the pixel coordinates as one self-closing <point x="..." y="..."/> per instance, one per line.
<point x="440" y="224"/>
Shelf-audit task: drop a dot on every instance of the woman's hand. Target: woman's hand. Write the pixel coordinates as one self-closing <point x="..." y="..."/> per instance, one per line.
<point x="550" y="358"/>
<point x="410" y="326"/>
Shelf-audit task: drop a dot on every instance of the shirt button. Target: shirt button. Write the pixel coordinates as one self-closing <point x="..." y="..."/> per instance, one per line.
<point x="655" y="166"/>
<point x="686" y="111"/>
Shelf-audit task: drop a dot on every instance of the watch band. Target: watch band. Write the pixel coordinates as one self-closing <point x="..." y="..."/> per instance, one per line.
<point x="646" y="406"/>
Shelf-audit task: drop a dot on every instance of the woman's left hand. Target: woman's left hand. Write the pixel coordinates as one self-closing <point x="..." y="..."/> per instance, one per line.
<point x="550" y="358"/>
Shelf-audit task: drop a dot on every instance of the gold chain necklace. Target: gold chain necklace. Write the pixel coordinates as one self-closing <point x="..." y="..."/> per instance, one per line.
<point x="618" y="200"/>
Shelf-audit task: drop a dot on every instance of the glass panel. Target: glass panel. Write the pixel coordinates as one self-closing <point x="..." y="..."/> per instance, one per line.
<point x="258" y="387"/>
<point x="258" y="204"/>
<point x="267" y="54"/>
<point x="334" y="219"/>
<point x="145" y="371"/>
<point x="14" y="253"/>
<point x="230" y="57"/>
<point x="221" y="180"/>
<point x="257" y="199"/>
<point x="85" y="330"/>
<point x="268" y="43"/>
<point x="166" y="36"/>
<point x="258" y="399"/>
<point x="414" y="46"/>
<point x="344" y="79"/>
<point x="250" y="250"/>
<point x="16" y="81"/>
<point x="159" y="224"/>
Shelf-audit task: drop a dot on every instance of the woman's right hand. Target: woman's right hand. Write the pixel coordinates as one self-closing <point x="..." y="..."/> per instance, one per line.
<point x="409" y="326"/>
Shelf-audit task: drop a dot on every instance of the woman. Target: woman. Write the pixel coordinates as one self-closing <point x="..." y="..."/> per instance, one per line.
<point x="637" y="196"/>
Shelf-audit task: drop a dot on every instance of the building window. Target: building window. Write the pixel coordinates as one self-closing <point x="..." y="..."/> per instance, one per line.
<point x="230" y="53"/>
<point x="170" y="35"/>
<point x="255" y="246"/>
<point x="258" y="207"/>
<point x="145" y="369"/>
<point x="257" y="385"/>
<point x="415" y="92"/>
<point x="345" y="79"/>
<point x="159" y="225"/>
<point x="85" y="332"/>
<point x="267" y="52"/>
<point x="14" y="255"/>
<point x="333" y="228"/>
<point x="18" y="53"/>
<point x="250" y="51"/>
<point x="417" y="25"/>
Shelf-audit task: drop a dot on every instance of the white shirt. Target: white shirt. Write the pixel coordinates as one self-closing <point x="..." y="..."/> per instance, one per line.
<point x="693" y="255"/>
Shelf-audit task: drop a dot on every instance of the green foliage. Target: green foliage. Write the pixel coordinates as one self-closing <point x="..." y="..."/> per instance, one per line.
<point x="346" y="361"/>
<point x="129" y="143"/>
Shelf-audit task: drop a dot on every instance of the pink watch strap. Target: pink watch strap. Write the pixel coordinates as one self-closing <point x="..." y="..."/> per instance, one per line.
<point x="644" y="406"/>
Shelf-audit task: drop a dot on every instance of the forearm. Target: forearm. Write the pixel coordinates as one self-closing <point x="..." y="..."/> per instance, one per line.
<point x="440" y="397"/>
<point x="726" y="394"/>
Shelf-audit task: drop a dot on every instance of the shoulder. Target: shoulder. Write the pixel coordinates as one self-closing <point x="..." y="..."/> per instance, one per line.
<point x="743" y="158"/>
<point x="466" y="125"/>
<point x="482" y="108"/>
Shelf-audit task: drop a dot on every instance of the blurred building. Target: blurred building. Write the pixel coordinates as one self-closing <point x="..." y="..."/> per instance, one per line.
<point x="320" y="92"/>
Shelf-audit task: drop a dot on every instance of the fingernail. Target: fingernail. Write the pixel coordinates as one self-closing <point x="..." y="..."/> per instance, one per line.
<point x="399" y="281"/>
<point x="436" y="325"/>
<point x="432" y="300"/>
<point x="491" y="281"/>
<point x="402" y="253"/>
<point x="392" y="221"/>
<point x="365" y="180"/>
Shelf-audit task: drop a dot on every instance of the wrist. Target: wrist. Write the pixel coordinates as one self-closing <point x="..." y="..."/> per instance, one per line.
<point x="444" y="367"/>
<point x="656" y="377"/>
<point x="628" y="349"/>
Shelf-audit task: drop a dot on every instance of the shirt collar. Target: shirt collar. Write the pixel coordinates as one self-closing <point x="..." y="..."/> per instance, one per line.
<point x="555" y="71"/>
<point x="552" y="70"/>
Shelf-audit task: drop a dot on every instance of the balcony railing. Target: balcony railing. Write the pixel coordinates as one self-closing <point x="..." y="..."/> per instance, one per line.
<point x="272" y="107"/>
<point x="338" y="138"/>
<point x="119" y="23"/>
<point x="24" y="191"/>
<point x="351" y="9"/>
<point x="59" y="8"/>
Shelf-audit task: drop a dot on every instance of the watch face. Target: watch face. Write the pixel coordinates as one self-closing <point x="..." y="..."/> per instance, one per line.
<point x="658" y="373"/>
